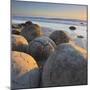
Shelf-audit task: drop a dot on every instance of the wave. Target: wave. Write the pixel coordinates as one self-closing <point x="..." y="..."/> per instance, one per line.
<point x="52" y="20"/>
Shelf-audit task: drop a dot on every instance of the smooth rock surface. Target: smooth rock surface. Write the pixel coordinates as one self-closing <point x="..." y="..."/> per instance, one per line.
<point x="24" y="72"/>
<point x="59" y="37"/>
<point x="31" y="32"/>
<point x="19" y="43"/>
<point x="66" y="66"/>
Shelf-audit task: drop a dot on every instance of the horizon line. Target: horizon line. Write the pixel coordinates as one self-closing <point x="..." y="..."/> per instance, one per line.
<point x="48" y="17"/>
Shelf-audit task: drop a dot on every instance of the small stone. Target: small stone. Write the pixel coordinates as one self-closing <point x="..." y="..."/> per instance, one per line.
<point x="80" y="36"/>
<point x="19" y="43"/>
<point x="66" y="66"/>
<point x="72" y="28"/>
<point x="16" y="31"/>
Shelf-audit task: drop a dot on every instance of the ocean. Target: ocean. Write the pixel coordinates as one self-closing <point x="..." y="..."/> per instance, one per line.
<point x="60" y="24"/>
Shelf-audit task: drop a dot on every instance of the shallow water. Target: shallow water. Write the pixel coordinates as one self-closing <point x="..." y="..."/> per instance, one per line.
<point x="80" y="29"/>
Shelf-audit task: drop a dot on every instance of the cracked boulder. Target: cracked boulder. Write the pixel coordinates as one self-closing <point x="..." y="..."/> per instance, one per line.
<point x="40" y="48"/>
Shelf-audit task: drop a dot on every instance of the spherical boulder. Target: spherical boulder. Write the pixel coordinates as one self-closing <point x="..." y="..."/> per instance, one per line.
<point x="59" y="37"/>
<point x="19" y="43"/>
<point x="24" y="71"/>
<point x="80" y="36"/>
<point x="83" y="51"/>
<point x="66" y="66"/>
<point x="31" y="32"/>
<point x="40" y="48"/>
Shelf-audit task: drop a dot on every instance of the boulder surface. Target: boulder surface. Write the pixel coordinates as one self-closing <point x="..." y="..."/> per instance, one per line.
<point x="19" y="43"/>
<point x="59" y="37"/>
<point x="30" y="32"/>
<point x="24" y="71"/>
<point x="40" y="48"/>
<point x="66" y="66"/>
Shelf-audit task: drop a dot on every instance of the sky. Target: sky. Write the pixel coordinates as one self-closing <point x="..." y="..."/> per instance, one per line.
<point x="51" y="10"/>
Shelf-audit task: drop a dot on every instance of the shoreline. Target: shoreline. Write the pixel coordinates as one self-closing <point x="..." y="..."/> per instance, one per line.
<point x="48" y="28"/>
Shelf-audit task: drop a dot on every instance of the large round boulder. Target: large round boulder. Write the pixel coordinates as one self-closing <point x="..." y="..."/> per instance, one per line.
<point x="40" y="48"/>
<point x="28" y="23"/>
<point x="59" y="37"/>
<point x="31" y="32"/>
<point x="66" y="66"/>
<point x="24" y="71"/>
<point x="19" y="43"/>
